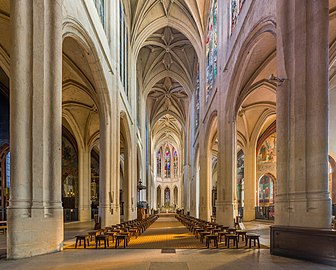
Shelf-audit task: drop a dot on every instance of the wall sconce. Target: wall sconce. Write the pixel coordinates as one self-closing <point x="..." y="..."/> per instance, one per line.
<point x="278" y="80"/>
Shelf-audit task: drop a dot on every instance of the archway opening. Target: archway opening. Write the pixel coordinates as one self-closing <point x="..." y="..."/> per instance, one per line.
<point x="176" y="202"/>
<point x="70" y="181"/>
<point x="266" y="185"/>
<point x="332" y="183"/>
<point x="4" y="145"/>
<point x="266" y="169"/>
<point x="240" y="182"/>
<point x="94" y="185"/>
<point x="81" y="110"/>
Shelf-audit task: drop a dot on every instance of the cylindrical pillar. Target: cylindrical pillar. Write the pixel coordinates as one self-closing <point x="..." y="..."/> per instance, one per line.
<point x="35" y="111"/>
<point x="302" y="197"/>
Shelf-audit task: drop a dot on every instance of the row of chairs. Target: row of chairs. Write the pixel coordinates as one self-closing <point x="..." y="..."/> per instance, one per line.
<point x="117" y="233"/>
<point x="213" y="232"/>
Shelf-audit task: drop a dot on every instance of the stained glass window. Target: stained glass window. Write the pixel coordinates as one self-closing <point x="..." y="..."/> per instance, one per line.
<point x="167" y="196"/>
<point x="211" y="49"/>
<point x="158" y="163"/>
<point x="175" y="163"/>
<point x="266" y="190"/>
<point x="197" y="103"/>
<point x="236" y="6"/>
<point x="123" y="47"/>
<point x="167" y="162"/>
<point x="100" y="8"/>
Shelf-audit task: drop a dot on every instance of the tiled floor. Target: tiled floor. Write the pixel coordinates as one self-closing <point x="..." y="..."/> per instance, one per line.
<point x="152" y="259"/>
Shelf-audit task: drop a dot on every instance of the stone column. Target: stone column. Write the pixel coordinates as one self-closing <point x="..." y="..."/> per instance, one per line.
<point x="226" y="206"/>
<point x="127" y="184"/>
<point x="105" y="193"/>
<point x="302" y="197"/>
<point x="35" y="111"/>
<point x="250" y="182"/>
<point x="205" y="165"/>
<point x="84" y="158"/>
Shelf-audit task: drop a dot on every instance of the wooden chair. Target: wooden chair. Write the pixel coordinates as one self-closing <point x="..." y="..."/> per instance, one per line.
<point x="119" y="238"/>
<point x="231" y="236"/>
<point x="104" y="238"/>
<point x="252" y="236"/>
<point x="85" y="238"/>
<point x="210" y="238"/>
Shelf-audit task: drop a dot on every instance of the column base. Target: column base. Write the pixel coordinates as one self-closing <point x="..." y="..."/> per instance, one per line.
<point x="130" y="212"/>
<point x="109" y="216"/>
<point x="317" y="245"/>
<point x="249" y="213"/>
<point x="304" y="208"/>
<point x="204" y="213"/>
<point x="85" y="214"/>
<point x="225" y="213"/>
<point x="34" y="235"/>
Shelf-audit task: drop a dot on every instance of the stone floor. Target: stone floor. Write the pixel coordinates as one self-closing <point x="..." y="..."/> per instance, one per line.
<point x="152" y="259"/>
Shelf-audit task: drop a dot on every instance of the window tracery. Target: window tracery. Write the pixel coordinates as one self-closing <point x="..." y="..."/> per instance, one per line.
<point x="211" y="49"/>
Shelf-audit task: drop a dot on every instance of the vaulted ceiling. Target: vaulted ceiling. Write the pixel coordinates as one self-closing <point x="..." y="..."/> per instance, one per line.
<point x="167" y="130"/>
<point x="167" y="37"/>
<point x="151" y="15"/>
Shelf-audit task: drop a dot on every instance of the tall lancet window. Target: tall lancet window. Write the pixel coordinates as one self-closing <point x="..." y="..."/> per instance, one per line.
<point x="123" y="48"/>
<point x="175" y="157"/>
<point x="197" y="103"/>
<point x="158" y="163"/>
<point x="211" y="49"/>
<point x="167" y="162"/>
<point x="100" y="8"/>
<point x="236" y="6"/>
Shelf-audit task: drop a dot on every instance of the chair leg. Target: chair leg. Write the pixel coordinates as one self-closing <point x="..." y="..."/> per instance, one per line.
<point x="76" y="243"/>
<point x="258" y="243"/>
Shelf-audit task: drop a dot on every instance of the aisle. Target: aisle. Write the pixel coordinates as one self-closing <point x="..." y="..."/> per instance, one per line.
<point x="166" y="232"/>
